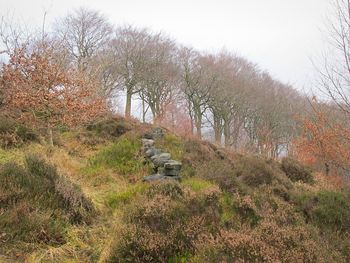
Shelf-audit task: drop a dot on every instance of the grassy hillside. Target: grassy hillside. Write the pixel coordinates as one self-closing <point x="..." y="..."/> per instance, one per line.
<point x="83" y="200"/>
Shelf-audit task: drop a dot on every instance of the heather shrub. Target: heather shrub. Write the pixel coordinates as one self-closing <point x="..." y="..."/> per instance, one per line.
<point x="197" y="152"/>
<point x="23" y="222"/>
<point x="172" y="190"/>
<point x="266" y="243"/>
<point x="326" y="209"/>
<point x="39" y="181"/>
<point x="256" y="171"/>
<point x="109" y="128"/>
<point x="29" y="213"/>
<point x="276" y="238"/>
<point x="296" y="171"/>
<point x="38" y="167"/>
<point x="89" y="138"/>
<point x="221" y="173"/>
<point x="13" y="134"/>
<point x="78" y="207"/>
<point x="165" y="222"/>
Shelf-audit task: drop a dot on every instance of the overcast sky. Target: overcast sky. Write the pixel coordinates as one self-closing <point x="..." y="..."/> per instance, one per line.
<point x="279" y="35"/>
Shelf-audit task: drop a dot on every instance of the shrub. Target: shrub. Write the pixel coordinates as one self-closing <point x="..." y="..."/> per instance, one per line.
<point x="109" y="128"/>
<point x="27" y="134"/>
<point x="221" y="173"/>
<point x="29" y="211"/>
<point x="266" y="243"/>
<point x="256" y="171"/>
<point x="326" y="209"/>
<point x="24" y="222"/>
<point x="172" y="190"/>
<point x="41" y="183"/>
<point x="296" y="171"/>
<point x="13" y="134"/>
<point x="279" y="236"/>
<point x="89" y="138"/>
<point x="164" y="223"/>
<point x="38" y="167"/>
<point x="74" y="202"/>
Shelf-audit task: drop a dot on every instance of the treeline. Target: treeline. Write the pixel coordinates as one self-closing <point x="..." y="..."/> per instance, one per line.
<point x="222" y="95"/>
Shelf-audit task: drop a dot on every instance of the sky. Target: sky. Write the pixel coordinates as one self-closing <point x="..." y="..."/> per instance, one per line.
<point x="281" y="36"/>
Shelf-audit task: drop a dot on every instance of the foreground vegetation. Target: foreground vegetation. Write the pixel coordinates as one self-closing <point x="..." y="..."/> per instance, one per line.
<point x="83" y="200"/>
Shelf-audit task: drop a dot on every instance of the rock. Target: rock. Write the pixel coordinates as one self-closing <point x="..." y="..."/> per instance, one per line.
<point x="156" y="177"/>
<point x="156" y="133"/>
<point x="171" y="172"/>
<point x="148" y="136"/>
<point x="147" y="143"/>
<point x="161" y="156"/>
<point x="165" y="168"/>
<point x="152" y="151"/>
<point x="172" y="168"/>
<point x="160" y="159"/>
<point x="173" y="165"/>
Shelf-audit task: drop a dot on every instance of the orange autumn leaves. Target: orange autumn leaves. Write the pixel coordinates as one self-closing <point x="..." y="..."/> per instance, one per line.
<point x="38" y="89"/>
<point x="324" y="142"/>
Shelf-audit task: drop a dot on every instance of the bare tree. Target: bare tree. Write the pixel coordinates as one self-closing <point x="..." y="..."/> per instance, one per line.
<point x="129" y="57"/>
<point x="84" y="32"/>
<point x="335" y="69"/>
<point x="194" y="88"/>
<point x="12" y="35"/>
<point x="160" y="75"/>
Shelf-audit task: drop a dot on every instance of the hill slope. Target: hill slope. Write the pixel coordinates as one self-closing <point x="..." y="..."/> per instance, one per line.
<point x="84" y="201"/>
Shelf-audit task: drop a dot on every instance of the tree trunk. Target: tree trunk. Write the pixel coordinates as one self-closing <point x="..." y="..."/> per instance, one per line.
<point x="198" y="124"/>
<point x="191" y="118"/>
<point x="217" y="129"/>
<point x="198" y="120"/>
<point x="143" y="112"/>
<point x="128" y="103"/>
<point x="227" y="134"/>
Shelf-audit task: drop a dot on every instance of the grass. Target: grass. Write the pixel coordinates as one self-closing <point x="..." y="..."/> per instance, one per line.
<point x="197" y="184"/>
<point x="121" y="156"/>
<point x="9" y="155"/>
<point x="115" y="199"/>
<point x="172" y="144"/>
